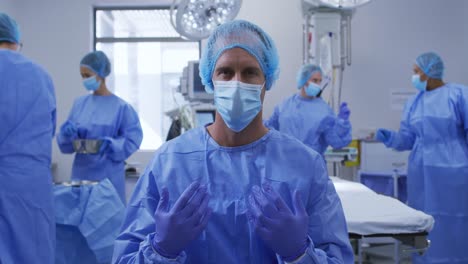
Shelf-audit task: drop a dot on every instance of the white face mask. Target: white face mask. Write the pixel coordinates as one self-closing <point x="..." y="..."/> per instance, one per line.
<point x="238" y="103"/>
<point x="312" y="89"/>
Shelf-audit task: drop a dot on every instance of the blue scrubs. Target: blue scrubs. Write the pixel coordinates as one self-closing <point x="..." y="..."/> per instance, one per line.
<point x="312" y="121"/>
<point x="98" y="117"/>
<point x="230" y="173"/>
<point x="434" y="127"/>
<point x="27" y="114"/>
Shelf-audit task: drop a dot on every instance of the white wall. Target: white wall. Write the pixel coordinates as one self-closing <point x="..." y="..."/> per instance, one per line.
<point x="8" y="7"/>
<point x="387" y="37"/>
<point x="465" y="41"/>
<point x="283" y="22"/>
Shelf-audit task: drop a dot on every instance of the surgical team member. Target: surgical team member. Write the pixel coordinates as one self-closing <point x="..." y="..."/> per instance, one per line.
<point x="434" y="127"/>
<point x="104" y="116"/>
<point x="307" y="117"/>
<point x="27" y="114"/>
<point x="234" y="191"/>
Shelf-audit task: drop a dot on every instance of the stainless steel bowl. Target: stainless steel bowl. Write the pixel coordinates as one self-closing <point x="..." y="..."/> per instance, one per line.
<point x="87" y="146"/>
<point x="77" y="183"/>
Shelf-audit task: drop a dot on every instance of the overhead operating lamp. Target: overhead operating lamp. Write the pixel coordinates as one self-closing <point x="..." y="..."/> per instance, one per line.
<point x="196" y="19"/>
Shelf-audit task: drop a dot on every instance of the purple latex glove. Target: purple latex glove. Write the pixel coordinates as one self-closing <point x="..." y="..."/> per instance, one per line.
<point x="282" y="230"/>
<point x="105" y="145"/>
<point x="181" y="224"/>
<point x="82" y="132"/>
<point x="68" y="129"/>
<point x="383" y="135"/>
<point x="344" y="111"/>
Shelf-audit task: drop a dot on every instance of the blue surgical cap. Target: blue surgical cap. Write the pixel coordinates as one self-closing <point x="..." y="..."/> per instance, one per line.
<point x="305" y="73"/>
<point x="98" y="62"/>
<point x="431" y="64"/>
<point x="9" y="30"/>
<point x="245" y="35"/>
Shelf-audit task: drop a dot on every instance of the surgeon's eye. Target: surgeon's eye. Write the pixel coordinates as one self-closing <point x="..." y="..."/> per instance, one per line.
<point x="224" y="73"/>
<point x="252" y="72"/>
<point x="316" y="80"/>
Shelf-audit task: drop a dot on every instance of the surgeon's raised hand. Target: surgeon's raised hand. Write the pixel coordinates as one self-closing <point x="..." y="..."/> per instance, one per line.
<point x="344" y="111"/>
<point x="69" y="129"/>
<point x="176" y="227"/>
<point x="284" y="231"/>
<point x="383" y="135"/>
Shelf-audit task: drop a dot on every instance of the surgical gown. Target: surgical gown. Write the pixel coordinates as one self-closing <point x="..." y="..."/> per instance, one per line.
<point x="312" y="121"/>
<point x="230" y="173"/>
<point x="98" y="117"/>
<point x="27" y="114"/>
<point x="434" y="127"/>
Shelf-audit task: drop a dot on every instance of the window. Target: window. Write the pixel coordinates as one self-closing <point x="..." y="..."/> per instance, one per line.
<point x="147" y="57"/>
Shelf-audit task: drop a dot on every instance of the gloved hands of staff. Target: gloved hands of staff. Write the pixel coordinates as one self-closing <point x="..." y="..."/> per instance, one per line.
<point x="105" y="145"/>
<point x="176" y="227"/>
<point x="344" y="111"/>
<point x="283" y="230"/>
<point x="69" y="129"/>
<point x="383" y="135"/>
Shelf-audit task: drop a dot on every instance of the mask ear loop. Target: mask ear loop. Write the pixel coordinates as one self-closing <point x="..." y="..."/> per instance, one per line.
<point x="321" y="90"/>
<point x="328" y="80"/>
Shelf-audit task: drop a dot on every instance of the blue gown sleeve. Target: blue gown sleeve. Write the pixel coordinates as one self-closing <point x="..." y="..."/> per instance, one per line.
<point x="272" y="122"/>
<point x="133" y="245"/>
<point x="66" y="143"/>
<point x="129" y="137"/>
<point x="54" y="121"/>
<point x="463" y="109"/>
<point x="53" y="105"/>
<point x="328" y="234"/>
<point x="338" y="131"/>
<point x="403" y="139"/>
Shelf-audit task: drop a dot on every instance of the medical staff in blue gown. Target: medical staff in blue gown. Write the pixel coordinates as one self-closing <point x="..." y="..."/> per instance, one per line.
<point x="27" y="114"/>
<point x="104" y="116"/>
<point x="234" y="191"/>
<point x="307" y="117"/>
<point x="434" y="127"/>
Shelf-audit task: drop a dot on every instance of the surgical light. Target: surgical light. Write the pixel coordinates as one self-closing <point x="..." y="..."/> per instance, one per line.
<point x="196" y="19"/>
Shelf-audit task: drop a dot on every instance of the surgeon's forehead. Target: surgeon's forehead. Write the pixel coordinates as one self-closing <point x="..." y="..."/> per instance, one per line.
<point x="316" y="75"/>
<point x="237" y="56"/>
<point x="416" y="68"/>
<point x="86" y="71"/>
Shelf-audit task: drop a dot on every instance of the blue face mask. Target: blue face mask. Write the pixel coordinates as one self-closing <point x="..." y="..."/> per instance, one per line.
<point x="238" y="103"/>
<point x="91" y="83"/>
<point x="312" y="89"/>
<point x="416" y="80"/>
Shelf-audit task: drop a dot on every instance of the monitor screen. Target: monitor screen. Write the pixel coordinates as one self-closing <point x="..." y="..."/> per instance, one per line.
<point x="196" y="90"/>
<point x="204" y="117"/>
